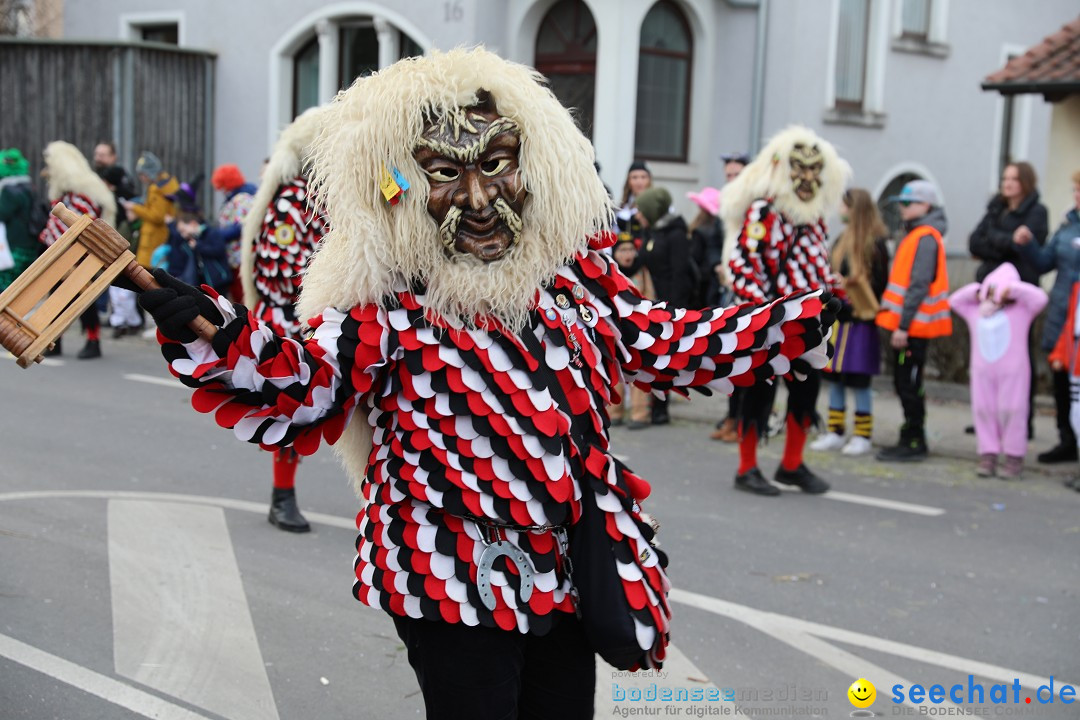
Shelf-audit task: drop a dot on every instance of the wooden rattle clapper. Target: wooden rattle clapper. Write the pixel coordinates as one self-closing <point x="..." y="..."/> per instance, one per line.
<point x="44" y="300"/>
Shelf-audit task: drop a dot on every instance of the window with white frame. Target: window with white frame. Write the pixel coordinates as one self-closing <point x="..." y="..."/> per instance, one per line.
<point x="919" y="27"/>
<point x="306" y="77"/>
<point x="915" y="19"/>
<point x="663" y="92"/>
<point x="341" y="50"/>
<point x="853" y="32"/>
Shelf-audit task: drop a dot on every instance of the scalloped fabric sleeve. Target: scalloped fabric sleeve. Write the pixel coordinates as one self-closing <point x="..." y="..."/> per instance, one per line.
<point x="278" y="392"/>
<point x="662" y="348"/>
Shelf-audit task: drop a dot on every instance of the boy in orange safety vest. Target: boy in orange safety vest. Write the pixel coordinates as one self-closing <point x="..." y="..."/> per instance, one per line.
<point x="915" y="307"/>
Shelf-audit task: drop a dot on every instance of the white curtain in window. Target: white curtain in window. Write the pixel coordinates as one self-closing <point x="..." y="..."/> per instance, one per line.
<point x="916" y="18"/>
<point x="851" y="51"/>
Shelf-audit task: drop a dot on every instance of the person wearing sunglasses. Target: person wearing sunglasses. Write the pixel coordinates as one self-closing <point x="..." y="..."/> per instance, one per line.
<point x="915" y="308"/>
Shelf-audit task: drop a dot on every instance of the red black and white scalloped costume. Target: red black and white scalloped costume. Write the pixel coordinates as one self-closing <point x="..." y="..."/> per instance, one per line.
<point x="291" y="229"/>
<point x="773" y="257"/>
<point x="76" y="202"/>
<point x="464" y="425"/>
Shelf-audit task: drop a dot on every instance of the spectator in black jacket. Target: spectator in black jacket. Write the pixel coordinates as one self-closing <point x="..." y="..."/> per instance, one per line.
<point x="706" y="246"/>
<point x="666" y="250"/>
<point x="1014" y="217"/>
<point x="666" y="255"/>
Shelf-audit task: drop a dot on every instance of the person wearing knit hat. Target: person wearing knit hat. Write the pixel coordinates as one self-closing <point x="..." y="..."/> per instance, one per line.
<point x="666" y="256"/>
<point x="148" y="165"/>
<point x="239" y="196"/>
<point x="16" y="201"/>
<point x="159" y="185"/>
<point x="227" y="178"/>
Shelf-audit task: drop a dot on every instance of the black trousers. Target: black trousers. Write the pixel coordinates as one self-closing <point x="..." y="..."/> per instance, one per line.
<point x="1061" y="406"/>
<point x="908" y="382"/>
<point x="478" y="673"/>
<point x="756" y="402"/>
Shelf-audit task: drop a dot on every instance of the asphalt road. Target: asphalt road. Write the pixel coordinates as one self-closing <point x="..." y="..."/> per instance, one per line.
<point x="139" y="577"/>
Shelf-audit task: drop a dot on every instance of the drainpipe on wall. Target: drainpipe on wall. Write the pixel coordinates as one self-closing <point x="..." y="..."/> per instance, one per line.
<point x="757" y="97"/>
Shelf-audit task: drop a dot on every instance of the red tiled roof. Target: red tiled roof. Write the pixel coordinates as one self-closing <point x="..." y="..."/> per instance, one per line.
<point x="1052" y="67"/>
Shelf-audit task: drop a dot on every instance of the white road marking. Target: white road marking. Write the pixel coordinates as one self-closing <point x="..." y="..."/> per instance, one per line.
<point x="913" y="508"/>
<point x="102" y="686"/>
<point x="227" y="503"/>
<point x="181" y="622"/>
<point x="761" y="618"/>
<point x="48" y="362"/>
<point x="167" y="381"/>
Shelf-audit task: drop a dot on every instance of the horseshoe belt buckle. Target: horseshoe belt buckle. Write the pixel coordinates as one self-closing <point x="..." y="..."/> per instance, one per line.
<point x="496" y="545"/>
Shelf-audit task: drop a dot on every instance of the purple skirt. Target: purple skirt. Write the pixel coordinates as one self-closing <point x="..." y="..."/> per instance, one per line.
<point x="856" y="348"/>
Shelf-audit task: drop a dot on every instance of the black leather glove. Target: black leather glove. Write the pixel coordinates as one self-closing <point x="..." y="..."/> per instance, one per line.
<point x="830" y="310"/>
<point x="176" y="304"/>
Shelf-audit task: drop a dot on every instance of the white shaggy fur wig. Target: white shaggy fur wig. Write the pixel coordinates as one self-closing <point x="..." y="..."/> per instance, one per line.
<point x="287" y="160"/>
<point x="371" y="246"/>
<point x="769" y="176"/>
<point x="377" y="123"/>
<point x="69" y="172"/>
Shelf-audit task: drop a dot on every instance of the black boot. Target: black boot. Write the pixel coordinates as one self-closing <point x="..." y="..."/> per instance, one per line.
<point x="911" y="448"/>
<point x="1062" y="452"/>
<point x="803" y="478"/>
<point x="753" y="481"/>
<point x="284" y="512"/>
<point x="659" y="411"/>
<point x="91" y="350"/>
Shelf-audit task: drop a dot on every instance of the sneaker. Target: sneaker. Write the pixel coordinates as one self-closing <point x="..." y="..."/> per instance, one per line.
<point x="828" y="441"/>
<point x="858" y="445"/>
<point x="907" y="451"/>
<point x="753" y="481"/>
<point x="1012" y="468"/>
<point x="987" y="465"/>
<point x="803" y="478"/>
<point x="1058" y="454"/>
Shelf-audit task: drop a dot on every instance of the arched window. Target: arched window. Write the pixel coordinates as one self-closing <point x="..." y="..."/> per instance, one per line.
<point x="306" y="76"/>
<point x="663" y="89"/>
<point x="566" y="54"/>
<point x="341" y="50"/>
<point x="890" y="213"/>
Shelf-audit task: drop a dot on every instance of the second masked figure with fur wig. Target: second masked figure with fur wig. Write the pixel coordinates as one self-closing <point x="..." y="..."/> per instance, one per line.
<point x="279" y="236"/>
<point x="466" y="343"/>
<point x="776" y="244"/>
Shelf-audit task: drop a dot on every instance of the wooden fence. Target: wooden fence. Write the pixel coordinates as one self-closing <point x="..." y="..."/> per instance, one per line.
<point x="142" y="96"/>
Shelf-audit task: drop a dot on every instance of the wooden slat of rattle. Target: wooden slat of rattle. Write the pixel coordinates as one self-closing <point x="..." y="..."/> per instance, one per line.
<point x="100" y="232"/>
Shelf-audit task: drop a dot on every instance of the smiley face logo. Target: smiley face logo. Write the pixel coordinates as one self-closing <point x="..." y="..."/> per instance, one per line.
<point x="862" y="693"/>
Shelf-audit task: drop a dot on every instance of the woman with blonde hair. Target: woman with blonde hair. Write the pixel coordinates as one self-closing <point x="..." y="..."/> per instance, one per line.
<point x="862" y="258"/>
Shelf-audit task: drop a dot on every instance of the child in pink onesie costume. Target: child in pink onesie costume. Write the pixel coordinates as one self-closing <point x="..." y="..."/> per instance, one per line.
<point x="999" y="312"/>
